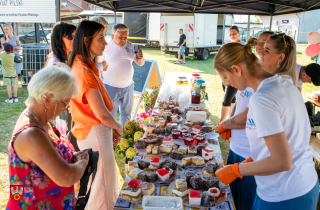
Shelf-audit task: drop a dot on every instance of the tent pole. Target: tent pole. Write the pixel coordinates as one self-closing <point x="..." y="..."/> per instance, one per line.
<point x="248" y="28"/>
<point x="57" y="10"/>
<point x="115" y="17"/>
<point x="270" y="25"/>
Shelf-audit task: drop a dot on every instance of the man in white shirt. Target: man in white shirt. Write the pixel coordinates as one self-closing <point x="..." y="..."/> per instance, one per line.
<point x="119" y="54"/>
<point x="309" y="73"/>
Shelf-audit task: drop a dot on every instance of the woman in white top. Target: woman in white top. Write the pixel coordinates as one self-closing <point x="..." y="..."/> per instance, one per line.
<point x="243" y="190"/>
<point x="278" y="132"/>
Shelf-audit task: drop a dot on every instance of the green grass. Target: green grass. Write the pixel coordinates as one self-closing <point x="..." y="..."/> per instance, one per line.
<point x="9" y="113"/>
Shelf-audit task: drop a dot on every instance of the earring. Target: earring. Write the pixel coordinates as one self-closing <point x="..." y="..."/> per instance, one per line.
<point x="46" y="110"/>
<point x="278" y="64"/>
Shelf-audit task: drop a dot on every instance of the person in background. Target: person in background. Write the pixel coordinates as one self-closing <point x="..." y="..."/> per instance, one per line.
<point x="281" y="159"/>
<point x="94" y="127"/>
<point x="101" y="63"/>
<point x="308" y="74"/>
<point x="229" y="98"/>
<point x="182" y="46"/>
<point x="119" y="54"/>
<point x="62" y="35"/>
<point x="14" y="41"/>
<point x="262" y="38"/>
<point x="9" y="72"/>
<point x="40" y="159"/>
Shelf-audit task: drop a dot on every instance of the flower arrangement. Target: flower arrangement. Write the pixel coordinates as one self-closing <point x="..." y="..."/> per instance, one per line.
<point x="143" y="118"/>
<point x="131" y="133"/>
<point x="149" y="99"/>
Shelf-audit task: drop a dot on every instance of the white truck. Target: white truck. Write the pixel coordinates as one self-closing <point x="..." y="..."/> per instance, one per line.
<point x="205" y="33"/>
<point x="153" y="32"/>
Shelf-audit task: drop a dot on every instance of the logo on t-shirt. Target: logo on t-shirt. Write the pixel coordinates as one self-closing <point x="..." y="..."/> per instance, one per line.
<point x="129" y="50"/>
<point x="245" y="93"/>
<point x="250" y="124"/>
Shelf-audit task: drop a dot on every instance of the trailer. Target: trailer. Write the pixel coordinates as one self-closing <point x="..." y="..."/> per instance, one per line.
<point x="153" y="32"/>
<point x="205" y="33"/>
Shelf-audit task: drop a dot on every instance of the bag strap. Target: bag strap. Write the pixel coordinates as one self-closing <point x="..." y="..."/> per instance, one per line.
<point x="83" y="196"/>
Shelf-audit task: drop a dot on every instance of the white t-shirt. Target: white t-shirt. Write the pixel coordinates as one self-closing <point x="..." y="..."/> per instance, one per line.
<point x="299" y="82"/>
<point x="239" y="142"/>
<point x="278" y="106"/>
<point x="120" y="69"/>
<point x="242" y="42"/>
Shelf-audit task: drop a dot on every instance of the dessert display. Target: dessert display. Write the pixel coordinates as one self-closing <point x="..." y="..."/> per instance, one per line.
<point x="169" y="163"/>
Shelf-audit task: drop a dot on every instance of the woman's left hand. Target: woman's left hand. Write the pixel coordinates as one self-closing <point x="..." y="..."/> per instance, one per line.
<point x="116" y="137"/>
<point x="229" y="173"/>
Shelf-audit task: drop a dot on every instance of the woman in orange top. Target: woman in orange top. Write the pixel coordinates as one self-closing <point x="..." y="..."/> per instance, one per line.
<point x="91" y="109"/>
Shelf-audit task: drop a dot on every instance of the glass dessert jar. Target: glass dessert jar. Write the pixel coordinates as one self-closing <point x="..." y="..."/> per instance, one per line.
<point x="188" y="141"/>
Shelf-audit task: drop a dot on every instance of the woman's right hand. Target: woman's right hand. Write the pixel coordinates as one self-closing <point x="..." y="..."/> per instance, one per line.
<point x="119" y="130"/>
<point x="81" y="155"/>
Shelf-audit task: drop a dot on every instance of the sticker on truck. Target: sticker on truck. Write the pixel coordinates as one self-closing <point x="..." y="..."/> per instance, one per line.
<point x="161" y="27"/>
<point x="190" y="27"/>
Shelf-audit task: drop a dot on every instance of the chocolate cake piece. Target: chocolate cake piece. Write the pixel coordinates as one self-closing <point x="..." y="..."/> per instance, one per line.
<point x="143" y="176"/>
<point x="201" y="122"/>
<point x="207" y="199"/>
<point x="211" y="167"/>
<point x="169" y="163"/>
<point x="199" y="149"/>
<point x="196" y="183"/>
<point x="205" y="128"/>
<point x="168" y="118"/>
<point x="188" y="175"/>
<point x="141" y="144"/>
<point x="143" y="164"/>
<point x="176" y="155"/>
<point x="210" y="181"/>
<point x="160" y="138"/>
<point x="159" y="131"/>
<point x="152" y="177"/>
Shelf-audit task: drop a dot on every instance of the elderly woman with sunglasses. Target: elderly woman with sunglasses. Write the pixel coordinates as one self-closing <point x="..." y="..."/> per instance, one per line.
<point x="61" y="45"/>
<point x="41" y="161"/>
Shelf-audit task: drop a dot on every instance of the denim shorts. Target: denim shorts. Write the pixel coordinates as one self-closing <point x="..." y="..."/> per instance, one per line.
<point x="181" y="50"/>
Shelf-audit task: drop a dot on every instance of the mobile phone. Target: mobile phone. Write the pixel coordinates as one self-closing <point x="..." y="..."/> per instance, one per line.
<point x="136" y="50"/>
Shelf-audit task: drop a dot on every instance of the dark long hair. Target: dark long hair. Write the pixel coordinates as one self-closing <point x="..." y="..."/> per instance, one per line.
<point x="88" y="29"/>
<point x="59" y="30"/>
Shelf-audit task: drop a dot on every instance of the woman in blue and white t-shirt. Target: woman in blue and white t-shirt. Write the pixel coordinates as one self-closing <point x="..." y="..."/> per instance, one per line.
<point x="278" y="130"/>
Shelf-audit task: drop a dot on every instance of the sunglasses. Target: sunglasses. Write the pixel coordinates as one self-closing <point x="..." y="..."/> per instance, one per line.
<point x="70" y="36"/>
<point x="66" y="106"/>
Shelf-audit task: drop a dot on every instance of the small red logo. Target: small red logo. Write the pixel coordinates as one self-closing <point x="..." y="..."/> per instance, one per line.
<point x="16" y="192"/>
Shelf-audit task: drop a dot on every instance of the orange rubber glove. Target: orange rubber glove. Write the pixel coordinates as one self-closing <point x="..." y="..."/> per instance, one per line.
<point x="226" y="135"/>
<point x="248" y="160"/>
<point x="229" y="173"/>
<point x="221" y="129"/>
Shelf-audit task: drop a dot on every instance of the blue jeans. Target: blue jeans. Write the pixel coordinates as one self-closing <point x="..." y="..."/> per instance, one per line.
<point x="305" y="202"/>
<point x="181" y="50"/>
<point x="122" y="97"/>
<point x="243" y="190"/>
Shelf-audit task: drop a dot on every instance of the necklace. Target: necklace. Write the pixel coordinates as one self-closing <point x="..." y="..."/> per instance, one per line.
<point x="34" y="118"/>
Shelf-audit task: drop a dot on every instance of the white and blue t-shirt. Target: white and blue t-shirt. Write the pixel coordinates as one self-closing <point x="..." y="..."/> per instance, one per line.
<point x="278" y="106"/>
<point x="239" y="142"/>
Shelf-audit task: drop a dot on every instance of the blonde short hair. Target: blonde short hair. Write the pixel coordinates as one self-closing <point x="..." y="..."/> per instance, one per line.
<point x="8" y="25"/>
<point x="55" y="79"/>
<point x="101" y="20"/>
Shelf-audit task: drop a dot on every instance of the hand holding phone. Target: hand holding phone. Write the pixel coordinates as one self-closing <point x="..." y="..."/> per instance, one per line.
<point x="136" y="50"/>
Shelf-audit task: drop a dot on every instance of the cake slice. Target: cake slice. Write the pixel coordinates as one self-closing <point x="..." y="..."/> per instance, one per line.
<point x="132" y="165"/>
<point x="196" y="128"/>
<point x="198" y="161"/>
<point x="152" y="177"/>
<point x="164" y="148"/>
<point x="155" y="161"/>
<point x="186" y="161"/>
<point x="182" y="193"/>
<point x="207" y="199"/>
<point x="162" y="122"/>
<point x="183" y="149"/>
<point x="192" y="150"/>
<point x="169" y="163"/>
<point x="181" y="183"/>
<point x="147" y="188"/>
<point x="176" y="155"/>
<point x="134" y="183"/>
<point x="207" y="151"/>
<point x="210" y="168"/>
<point x="199" y="148"/>
<point x="166" y="140"/>
<point x="155" y="150"/>
<point x="209" y="182"/>
<point x="143" y="164"/>
<point x="163" y="174"/>
<point x="134" y="173"/>
<point x="150" y="129"/>
<point x="132" y="194"/>
<point x="149" y="149"/>
<point x="196" y="183"/>
<point x="140" y="144"/>
<point x="194" y="198"/>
